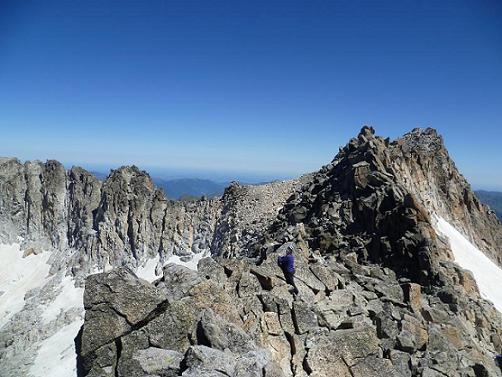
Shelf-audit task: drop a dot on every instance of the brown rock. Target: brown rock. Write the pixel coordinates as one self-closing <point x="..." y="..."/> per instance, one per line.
<point x="413" y="296"/>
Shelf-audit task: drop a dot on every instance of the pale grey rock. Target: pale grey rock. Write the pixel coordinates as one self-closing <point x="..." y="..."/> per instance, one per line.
<point x="177" y="281"/>
<point x="157" y="361"/>
<point x="224" y="335"/>
<point x="247" y="211"/>
<point x="210" y="359"/>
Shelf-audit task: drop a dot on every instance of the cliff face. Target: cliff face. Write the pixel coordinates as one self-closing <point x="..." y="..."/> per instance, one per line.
<point x="33" y="201"/>
<point x="422" y="164"/>
<point x="124" y="219"/>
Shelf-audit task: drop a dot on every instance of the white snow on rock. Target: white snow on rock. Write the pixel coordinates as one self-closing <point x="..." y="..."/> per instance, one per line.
<point x="18" y="275"/>
<point x="56" y="356"/>
<point x="487" y="274"/>
<point x="147" y="272"/>
<point x="69" y="297"/>
<point x="191" y="264"/>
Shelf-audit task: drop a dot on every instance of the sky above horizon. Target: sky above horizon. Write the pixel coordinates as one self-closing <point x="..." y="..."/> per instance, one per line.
<point x="263" y="88"/>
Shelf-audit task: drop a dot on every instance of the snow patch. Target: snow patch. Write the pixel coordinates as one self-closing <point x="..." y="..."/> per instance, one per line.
<point x="56" y="356"/>
<point x="69" y="297"/>
<point x="191" y="264"/>
<point x="19" y="275"/>
<point x="147" y="272"/>
<point x="487" y="274"/>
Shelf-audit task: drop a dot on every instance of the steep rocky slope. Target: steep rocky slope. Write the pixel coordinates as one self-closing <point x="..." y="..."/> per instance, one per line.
<point x="379" y="292"/>
<point x="423" y="165"/>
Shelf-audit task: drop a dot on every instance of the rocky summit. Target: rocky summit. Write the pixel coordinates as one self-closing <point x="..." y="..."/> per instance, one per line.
<point x="380" y="288"/>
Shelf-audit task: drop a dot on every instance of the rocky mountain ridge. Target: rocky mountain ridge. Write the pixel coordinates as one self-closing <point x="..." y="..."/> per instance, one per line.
<point x="124" y="219"/>
<point x="423" y="165"/>
<point x="379" y="291"/>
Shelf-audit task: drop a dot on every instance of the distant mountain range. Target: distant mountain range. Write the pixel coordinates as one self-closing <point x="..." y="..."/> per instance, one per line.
<point x="184" y="188"/>
<point x="190" y="188"/>
<point x="493" y="199"/>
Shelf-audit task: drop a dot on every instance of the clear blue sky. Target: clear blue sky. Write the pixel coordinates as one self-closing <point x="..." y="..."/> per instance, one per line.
<point x="270" y="87"/>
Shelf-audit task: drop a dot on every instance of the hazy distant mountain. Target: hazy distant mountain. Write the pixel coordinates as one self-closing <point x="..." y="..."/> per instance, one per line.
<point x="99" y="175"/>
<point x="493" y="199"/>
<point x="183" y="188"/>
<point x="190" y="187"/>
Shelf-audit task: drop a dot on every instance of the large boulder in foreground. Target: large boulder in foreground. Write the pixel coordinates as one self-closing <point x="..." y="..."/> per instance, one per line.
<point x="133" y="328"/>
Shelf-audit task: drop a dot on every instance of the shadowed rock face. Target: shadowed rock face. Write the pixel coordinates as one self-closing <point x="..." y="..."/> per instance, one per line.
<point x="356" y="204"/>
<point x="379" y="293"/>
<point x="381" y="198"/>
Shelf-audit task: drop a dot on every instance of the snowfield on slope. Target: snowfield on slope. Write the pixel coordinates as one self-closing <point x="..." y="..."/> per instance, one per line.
<point x="56" y="356"/>
<point x="147" y="272"/>
<point x="19" y="275"/>
<point x="487" y="274"/>
<point x="69" y="297"/>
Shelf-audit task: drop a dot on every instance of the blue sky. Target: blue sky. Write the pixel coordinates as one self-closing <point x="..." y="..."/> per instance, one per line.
<point x="270" y="88"/>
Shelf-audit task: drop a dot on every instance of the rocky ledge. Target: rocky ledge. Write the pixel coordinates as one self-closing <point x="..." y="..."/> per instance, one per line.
<point x="235" y="318"/>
